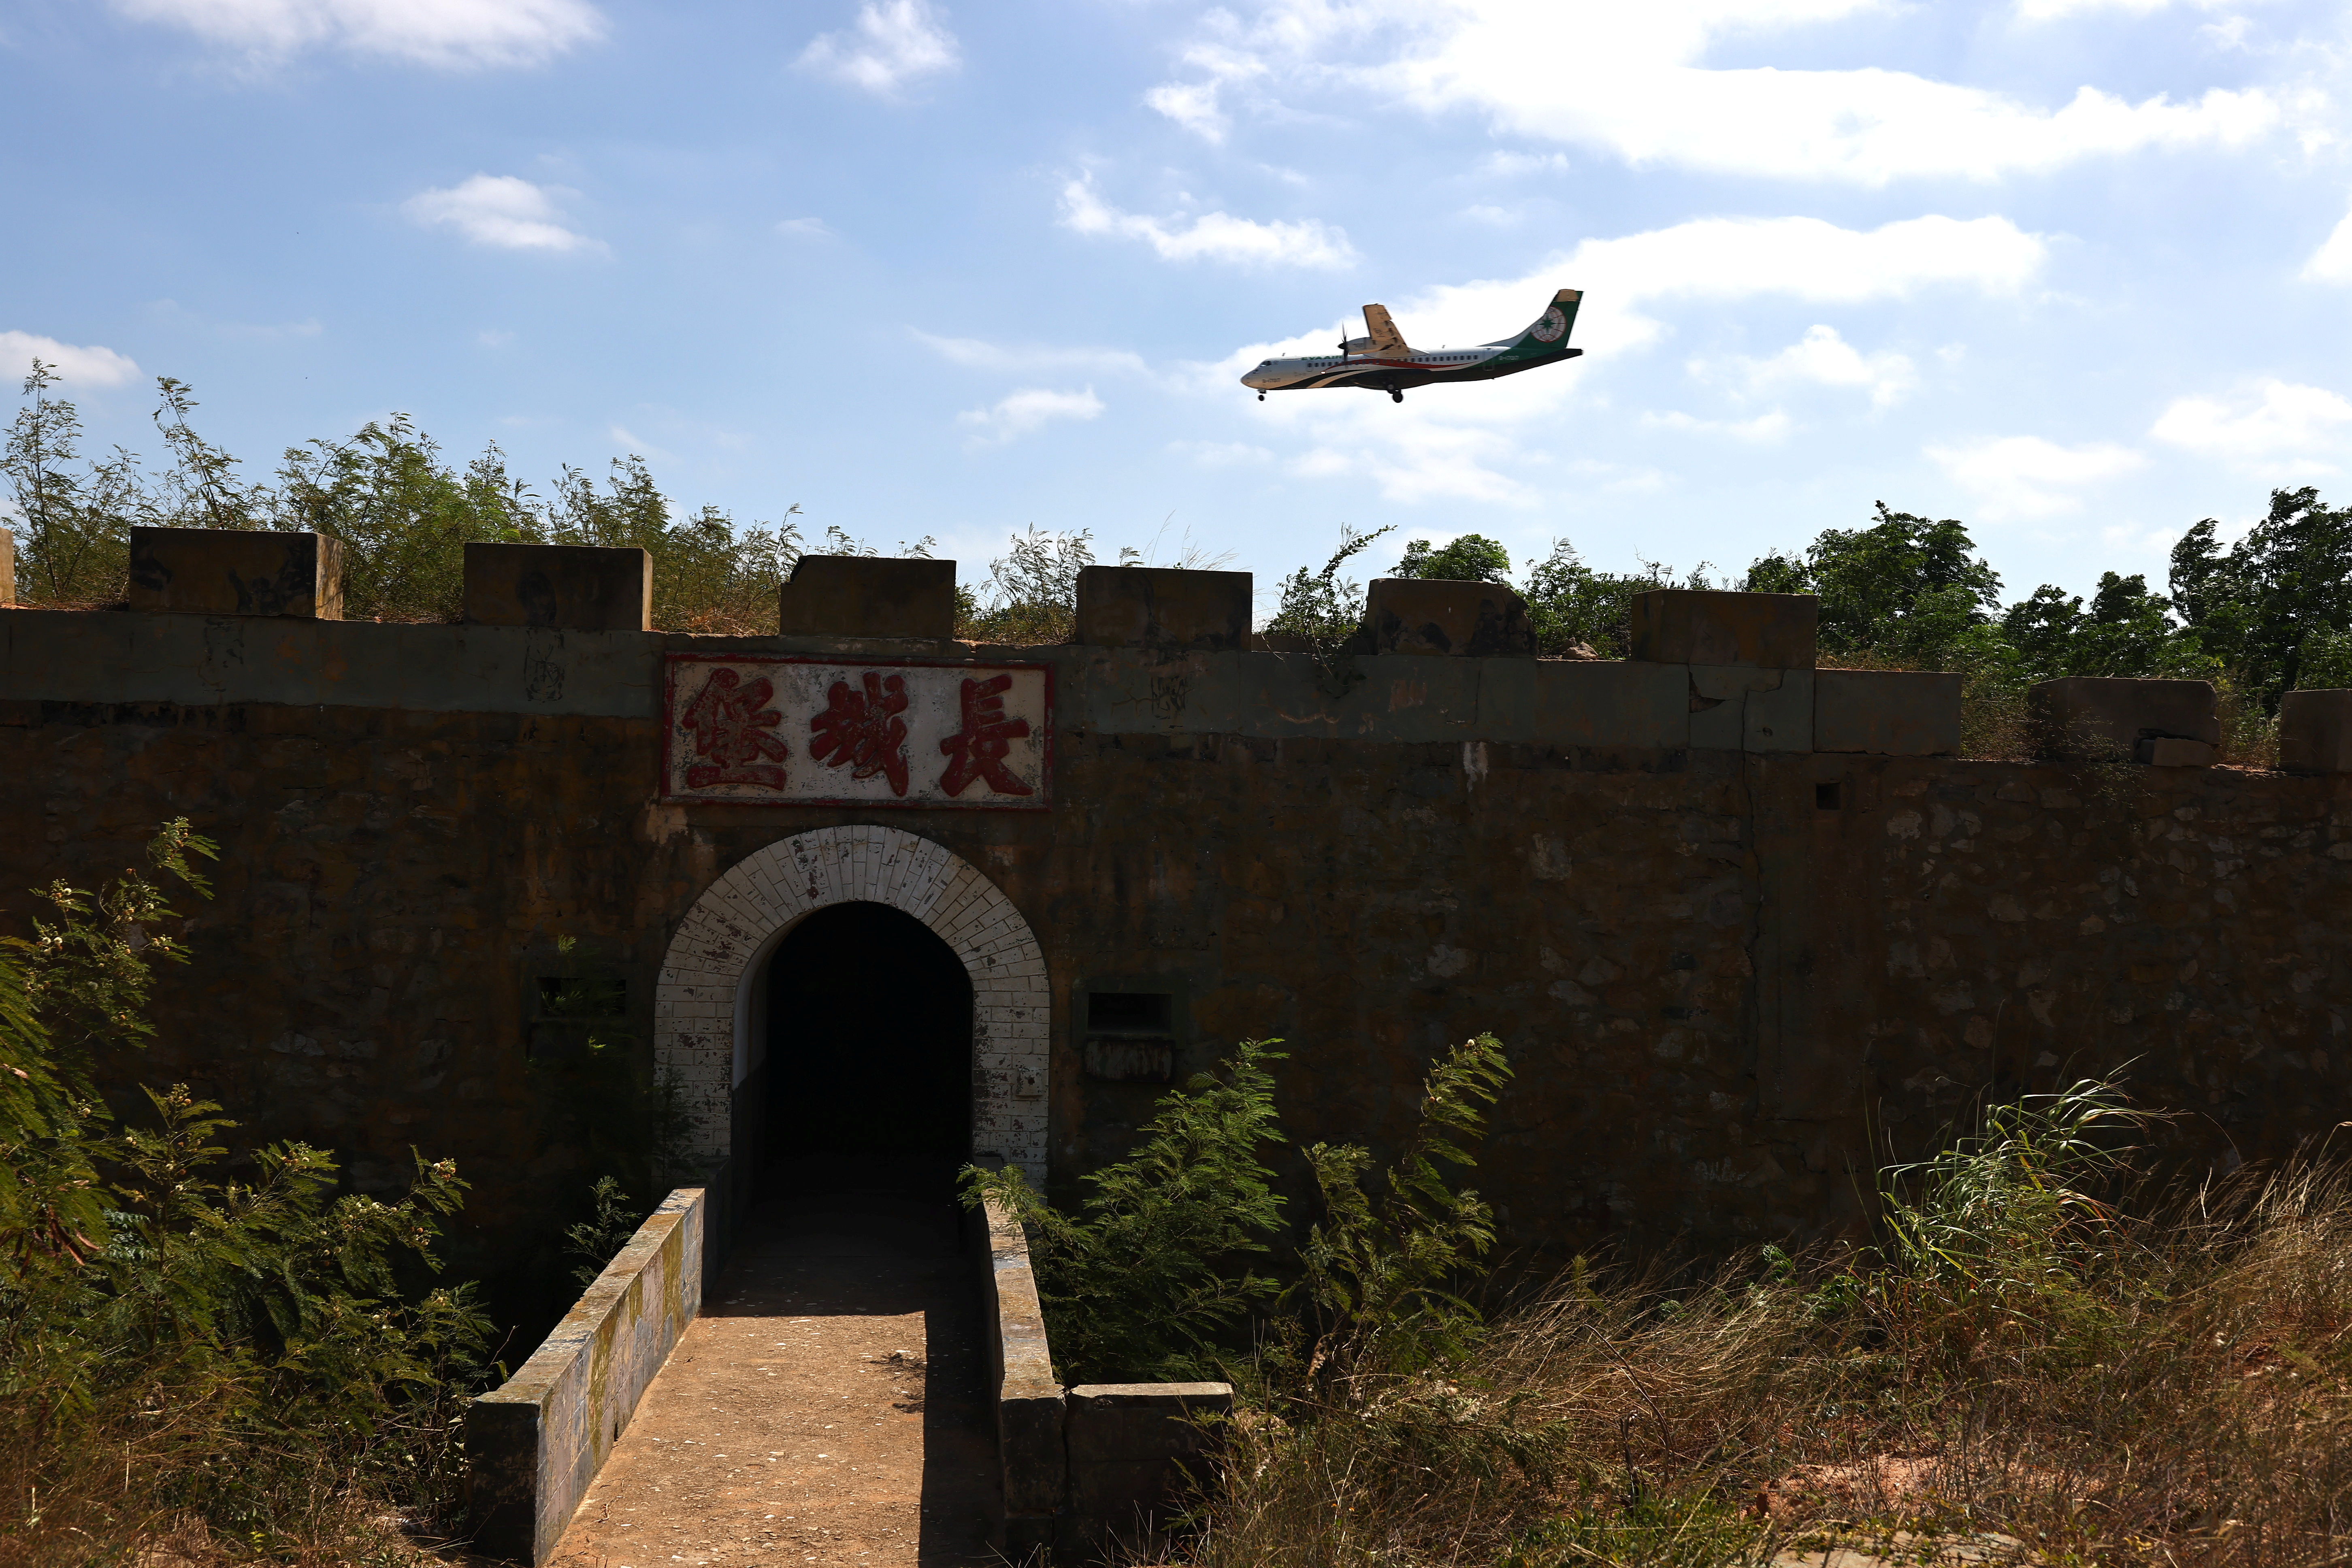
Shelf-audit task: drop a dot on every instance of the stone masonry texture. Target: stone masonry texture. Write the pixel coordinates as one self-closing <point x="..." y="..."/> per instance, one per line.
<point x="1725" y="977"/>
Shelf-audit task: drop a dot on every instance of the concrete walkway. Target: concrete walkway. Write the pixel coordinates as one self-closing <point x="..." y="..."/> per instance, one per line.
<point x="826" y="1408"/>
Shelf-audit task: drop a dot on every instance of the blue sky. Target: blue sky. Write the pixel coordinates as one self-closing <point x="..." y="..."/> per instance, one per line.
<point x="2076" y="271"/>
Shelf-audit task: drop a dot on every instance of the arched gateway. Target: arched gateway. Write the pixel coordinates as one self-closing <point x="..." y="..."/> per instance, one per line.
<point x="707" y="1028"/>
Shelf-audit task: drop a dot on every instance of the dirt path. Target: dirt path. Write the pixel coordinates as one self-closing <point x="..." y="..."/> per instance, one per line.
<point x="824" y="1409"/>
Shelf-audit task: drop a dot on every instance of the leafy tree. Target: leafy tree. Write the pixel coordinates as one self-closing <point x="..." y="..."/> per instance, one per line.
<point x="2256" y="605"/>
<point x="2327" y="660"/>
<point x="1472" y="558"/>
<point x="76" y="547"/>
<point x="2126" y="631"/>
<point x="402" y="513"/>
<point x="201" y="488"/>
<point x="1904" y="588"/>
<point x="1033" y="590"/>
<point x="1571" y="608"/>
<point x="403" y="516"/>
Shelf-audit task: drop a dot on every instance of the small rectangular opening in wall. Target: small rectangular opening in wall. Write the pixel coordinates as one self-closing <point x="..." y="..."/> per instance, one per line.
<point x="1130" y="1013"/>
<point x="582" y="996"/>
<point x="1827" y="796"/>
<point x="573" y="1016"/>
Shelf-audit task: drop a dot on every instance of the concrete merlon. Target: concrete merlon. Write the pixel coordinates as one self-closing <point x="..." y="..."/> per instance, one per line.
<point x="2315" y="732"/>
<point x="1683" y="625"/>
<point x="1160" y="607"/>
<point x="2104" y="716"/>
<point x="869" y="596"/>
<point x="237" y="572"/>
<point x="1426" y="615"/>
<point x="1886" y="712"/>
<point x="535" y="1444"/>
<point x="578" y="587"/>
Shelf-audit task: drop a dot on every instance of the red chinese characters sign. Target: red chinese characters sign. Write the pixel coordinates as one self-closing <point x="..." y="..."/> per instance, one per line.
<point x="874" y="732"/>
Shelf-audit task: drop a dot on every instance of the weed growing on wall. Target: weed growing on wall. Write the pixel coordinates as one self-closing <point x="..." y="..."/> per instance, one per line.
<point x="197" y="1351"/>
<point x="1319" y="612"/>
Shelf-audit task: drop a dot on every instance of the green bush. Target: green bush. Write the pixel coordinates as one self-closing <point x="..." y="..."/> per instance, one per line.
<point x="1157" y="1276"/>
<point x="191" y="1346"/>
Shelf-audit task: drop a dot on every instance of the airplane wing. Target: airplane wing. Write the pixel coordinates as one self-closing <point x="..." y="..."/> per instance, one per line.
<point x="1386" y="339"/>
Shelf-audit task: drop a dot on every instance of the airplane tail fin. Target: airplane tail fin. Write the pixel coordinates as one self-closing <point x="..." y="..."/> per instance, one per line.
<point x="1384" y="337"/>
<point x="1546" y="336"/>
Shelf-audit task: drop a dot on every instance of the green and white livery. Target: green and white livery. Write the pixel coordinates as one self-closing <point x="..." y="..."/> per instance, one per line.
<point x="1380" y="361"/>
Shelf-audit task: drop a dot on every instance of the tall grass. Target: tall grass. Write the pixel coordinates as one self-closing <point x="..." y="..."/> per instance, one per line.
<point x="2155" y="1381"/>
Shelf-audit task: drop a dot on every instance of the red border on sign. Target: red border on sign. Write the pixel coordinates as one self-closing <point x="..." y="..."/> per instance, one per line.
<point x="1045" y="797"/>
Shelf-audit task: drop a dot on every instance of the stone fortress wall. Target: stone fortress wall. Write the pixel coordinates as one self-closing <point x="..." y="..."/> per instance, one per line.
<point x="1739" y="921"/>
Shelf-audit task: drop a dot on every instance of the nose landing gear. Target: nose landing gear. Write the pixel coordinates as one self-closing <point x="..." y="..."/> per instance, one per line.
<point x="1261" y="397"/>
<point x="1396" y="395"/>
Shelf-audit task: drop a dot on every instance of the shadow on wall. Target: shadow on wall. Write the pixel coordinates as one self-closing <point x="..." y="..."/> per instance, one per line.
<point x="869" y="1057"/>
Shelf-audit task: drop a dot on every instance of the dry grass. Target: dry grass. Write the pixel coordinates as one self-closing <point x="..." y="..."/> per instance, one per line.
<point x="161" y="1487"/>
<point x="2170" y="1390"/>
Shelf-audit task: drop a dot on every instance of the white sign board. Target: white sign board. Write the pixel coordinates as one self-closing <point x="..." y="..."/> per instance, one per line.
<point x="811" y="731"/>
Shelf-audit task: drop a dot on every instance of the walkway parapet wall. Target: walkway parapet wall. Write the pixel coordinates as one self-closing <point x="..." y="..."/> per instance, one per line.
<point x="1087" y="1471"/>
<point x="536" y="1444"/>
<point x="1029" y="1402"/>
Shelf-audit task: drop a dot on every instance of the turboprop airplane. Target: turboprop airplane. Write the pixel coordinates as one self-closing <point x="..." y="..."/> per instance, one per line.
<point x="1380" y="361"/>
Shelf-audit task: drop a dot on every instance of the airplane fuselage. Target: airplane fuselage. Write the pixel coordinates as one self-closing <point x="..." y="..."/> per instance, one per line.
<point x="1390" y="373"/>
<point x="1382" y="362"/>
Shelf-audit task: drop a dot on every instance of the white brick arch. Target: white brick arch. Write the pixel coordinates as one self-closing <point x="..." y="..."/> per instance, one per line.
<point x="710" y="1005"/>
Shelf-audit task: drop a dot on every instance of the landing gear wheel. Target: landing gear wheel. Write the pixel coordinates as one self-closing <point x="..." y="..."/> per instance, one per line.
<point x="1261" y="397"/>
<point x="1395" y="396"/>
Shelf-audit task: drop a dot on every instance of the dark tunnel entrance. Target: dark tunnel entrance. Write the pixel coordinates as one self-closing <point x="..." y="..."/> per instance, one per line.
<point x="869" y="1057"/>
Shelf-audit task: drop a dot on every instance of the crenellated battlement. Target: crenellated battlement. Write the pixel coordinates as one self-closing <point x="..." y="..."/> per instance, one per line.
<point x="223" y="616"/>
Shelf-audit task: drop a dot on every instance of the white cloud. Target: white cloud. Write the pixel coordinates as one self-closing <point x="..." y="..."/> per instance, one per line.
<point x="1762" y="430"/>
<point x="1029" y="409"/>
<point x="2025" y="476"/>
<point x="978" y="355"/>
<point x="1627" y="82"/>
<point x="636" y="446"/>
<point x="894" y="42"/>
<point x="1417" y="457"/>
<point x="1210" y="236"/>
<point x="2284" y="432"/>
<point x="2332" y="262"/>
<point x="1193" y="106"/>
<point x="1221" y="454"/>
<point x="805" y="228"/>
<point x="2058" y="10"/>
<point x="82" y="367"/>
<point x="500" y="210"/>
<point x="1822" y="358"/>
<point x="446" y="33"/>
